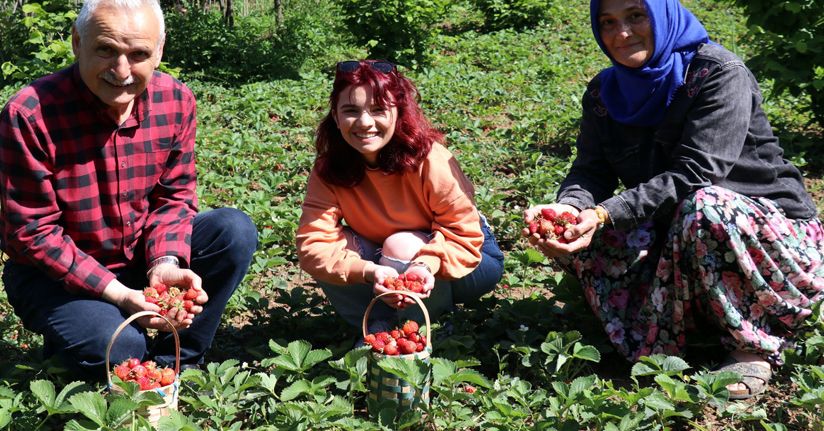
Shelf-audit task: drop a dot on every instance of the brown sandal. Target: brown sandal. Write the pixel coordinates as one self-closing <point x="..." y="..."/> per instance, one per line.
<point x="755" y="377"/>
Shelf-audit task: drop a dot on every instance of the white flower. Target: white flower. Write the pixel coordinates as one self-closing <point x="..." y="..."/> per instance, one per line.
<point x="523" y="328"/>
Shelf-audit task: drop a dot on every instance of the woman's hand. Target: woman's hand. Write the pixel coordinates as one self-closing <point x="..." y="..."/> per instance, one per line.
<point x="578" y="235"/>
<point x="379" y="273"/>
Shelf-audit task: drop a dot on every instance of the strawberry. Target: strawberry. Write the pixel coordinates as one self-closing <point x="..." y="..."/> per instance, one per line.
<point x="410" y="327"/>
<point x="121" y="371"/>
<point x="469" y="389"/>
<point x="369" y="339"/>
<point x="167" y="377"/>
<point x="406" y="347"/>
<point x="395" y="334"/>
<point x="548" y="213"/>
<point x="190" y="294"/>
<point x="390" y="349"/>
<point x="144" y="382"/>
<point x="132" y="362"/>
<point x="419" y="346"/>
<point x="378" y="346"/>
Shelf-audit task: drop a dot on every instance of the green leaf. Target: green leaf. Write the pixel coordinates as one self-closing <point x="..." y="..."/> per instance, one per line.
<point x="120" y="410"/>
<point x="587" y="353"/>
<point x="90" y="404"/>
<point x="43" y="390"/>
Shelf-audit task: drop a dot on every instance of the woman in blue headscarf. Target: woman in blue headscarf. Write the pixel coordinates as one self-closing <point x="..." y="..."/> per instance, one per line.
<point x="710" y="223"/>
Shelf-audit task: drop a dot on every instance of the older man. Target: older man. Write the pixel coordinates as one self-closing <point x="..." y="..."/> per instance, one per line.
<point x="97" y="199"/>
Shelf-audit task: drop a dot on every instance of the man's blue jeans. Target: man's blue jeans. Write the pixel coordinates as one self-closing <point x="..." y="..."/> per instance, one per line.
<point x="350" y="301"/>
<point x="77" y="328"/>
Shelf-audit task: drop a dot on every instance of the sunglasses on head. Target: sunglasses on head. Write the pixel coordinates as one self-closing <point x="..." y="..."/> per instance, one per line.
<point x="353" y="65"/>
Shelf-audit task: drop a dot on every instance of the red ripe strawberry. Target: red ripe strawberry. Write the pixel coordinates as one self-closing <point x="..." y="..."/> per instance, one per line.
<point x="469" y="389"/>
<point x="132" y="362"/>
<point x="139" y="371"/>
<point x="395" y="334"/>
<point x="413" y="337"/>
<point x="378" y="346"/>
<point x="383" y="336"/>
<point x="369" y="339"/>
<point x="410" y="327"/>
<point x="144" y="383"/>
<point x="533" y="227"/>
<point x="121" y="371"/>
<point x="390" y="349"/>
<point x="190" y="294"/>
<point x="412" y="277"/>
<point x="406" y="347"/>
<point x="167" y="377"/>
<point x="150" y="365"/>
<point x="419" y="346"/>
<point x="187" y="305"/>
<point x="559" y="230"/>
<point x="160" y="288"/>
<point x="548" y="213"/>
<point x="566" y="217"/>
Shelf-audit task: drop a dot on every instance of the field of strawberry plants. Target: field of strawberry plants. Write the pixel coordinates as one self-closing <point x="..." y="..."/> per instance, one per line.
<point x="528" y="357"/>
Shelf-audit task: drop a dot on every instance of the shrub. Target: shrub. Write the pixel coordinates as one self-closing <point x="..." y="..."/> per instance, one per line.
<point x="36" y="40"/>
<point x="789" y="37"/>
<point x="396" y="30"/>
<point x="518" y="14"/>
<point x="201" y="44"/>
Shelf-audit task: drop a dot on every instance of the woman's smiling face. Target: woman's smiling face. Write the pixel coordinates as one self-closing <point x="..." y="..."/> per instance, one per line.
<point x="626" y="32"/>
<point x="365" y="124"/>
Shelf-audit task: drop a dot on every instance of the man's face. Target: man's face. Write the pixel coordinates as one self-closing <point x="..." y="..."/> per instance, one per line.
<point x="118" y="54"/>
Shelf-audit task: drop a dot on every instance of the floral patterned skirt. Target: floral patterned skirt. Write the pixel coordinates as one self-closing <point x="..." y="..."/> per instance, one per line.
<point x="737" y="262"/>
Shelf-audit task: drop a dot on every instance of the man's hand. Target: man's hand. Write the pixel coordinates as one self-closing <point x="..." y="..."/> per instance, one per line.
<point x="184" y="279"/>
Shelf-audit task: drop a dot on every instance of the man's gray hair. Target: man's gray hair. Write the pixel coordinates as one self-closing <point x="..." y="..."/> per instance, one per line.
<point x="90" y="6"/>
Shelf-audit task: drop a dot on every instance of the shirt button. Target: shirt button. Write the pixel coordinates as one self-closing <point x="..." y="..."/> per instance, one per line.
<point x="128" y="223"/>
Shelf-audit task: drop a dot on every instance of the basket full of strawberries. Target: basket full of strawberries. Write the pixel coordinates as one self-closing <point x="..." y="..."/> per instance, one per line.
<point x="408" y="342"/>
<point x="148" y="375"/>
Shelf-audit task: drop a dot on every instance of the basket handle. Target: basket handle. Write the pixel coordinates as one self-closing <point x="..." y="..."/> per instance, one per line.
<point x="129" y="320"/>
<point x="412" y="295"/>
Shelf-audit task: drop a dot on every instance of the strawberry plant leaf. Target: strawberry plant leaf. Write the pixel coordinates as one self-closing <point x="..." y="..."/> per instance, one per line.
<point x="176" y="422"/>
<point x="585" y="352"/>
<point x="43" y="390"/>
<point x="120" y="410"/>
<point x="90" y="404"/>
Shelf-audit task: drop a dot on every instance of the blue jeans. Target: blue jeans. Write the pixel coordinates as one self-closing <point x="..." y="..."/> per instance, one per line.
<point x="350" y="301"/>
<point x="77" y="328"/>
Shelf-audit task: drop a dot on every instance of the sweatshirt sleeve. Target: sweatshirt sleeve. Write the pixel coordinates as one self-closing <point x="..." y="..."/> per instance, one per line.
<point x="321" y="243"/>
<point x="455" y="248"/>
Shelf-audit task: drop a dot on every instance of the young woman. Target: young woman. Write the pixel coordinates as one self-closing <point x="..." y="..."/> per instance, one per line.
<point x="386" y="197"/>
<point x="712" y="223"/>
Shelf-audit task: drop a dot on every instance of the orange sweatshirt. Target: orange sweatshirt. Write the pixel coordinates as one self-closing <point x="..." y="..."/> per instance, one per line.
<point x="437" y="198"/>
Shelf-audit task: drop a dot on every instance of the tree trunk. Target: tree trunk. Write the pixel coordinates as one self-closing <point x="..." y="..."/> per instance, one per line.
<point x="279" y="13"/>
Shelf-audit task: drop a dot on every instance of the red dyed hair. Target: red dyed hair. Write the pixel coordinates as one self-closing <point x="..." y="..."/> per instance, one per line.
<point x="340" y="164"/>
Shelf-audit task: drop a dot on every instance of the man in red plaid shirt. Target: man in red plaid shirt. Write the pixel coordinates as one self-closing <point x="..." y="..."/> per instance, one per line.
<point x="97" y="199"/>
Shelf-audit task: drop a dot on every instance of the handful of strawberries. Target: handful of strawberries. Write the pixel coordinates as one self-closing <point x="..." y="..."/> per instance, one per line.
<point x="146" y="374"/>
<point x="405" y="282"/>
<point x="550" y="225"/>
<point x="168" y="298"/>
<point x="399" y="341"/>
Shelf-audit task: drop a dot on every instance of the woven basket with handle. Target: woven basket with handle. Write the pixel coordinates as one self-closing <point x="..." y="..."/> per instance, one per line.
<point x="168" y="392"/>
<point x="386" y="386"/>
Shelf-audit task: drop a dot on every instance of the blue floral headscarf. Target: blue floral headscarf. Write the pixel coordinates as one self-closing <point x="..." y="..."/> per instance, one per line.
<point x="639" y="96"/>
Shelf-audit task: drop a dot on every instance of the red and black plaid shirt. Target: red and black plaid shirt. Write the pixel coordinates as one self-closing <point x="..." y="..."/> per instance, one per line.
<point x="79" y="195"/>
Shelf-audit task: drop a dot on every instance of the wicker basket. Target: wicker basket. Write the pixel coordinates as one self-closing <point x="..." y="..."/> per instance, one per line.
<point x="386" y="386"/>
<point x="168" y="392"/>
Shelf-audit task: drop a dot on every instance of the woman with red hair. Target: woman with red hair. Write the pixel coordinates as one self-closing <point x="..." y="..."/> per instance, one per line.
<point x="386" y="197"/>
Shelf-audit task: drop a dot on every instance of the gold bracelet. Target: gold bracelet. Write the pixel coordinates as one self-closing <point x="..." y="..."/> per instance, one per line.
<point x="602" y="214"/>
